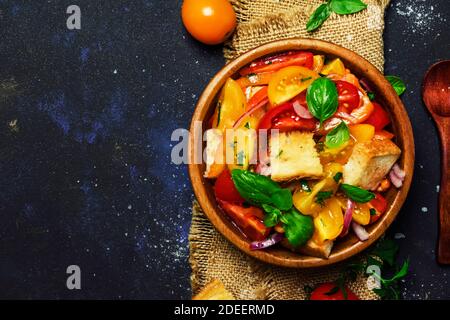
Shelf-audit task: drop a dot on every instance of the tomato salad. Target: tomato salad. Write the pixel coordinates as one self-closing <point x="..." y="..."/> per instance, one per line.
<point x="330" y="154"/>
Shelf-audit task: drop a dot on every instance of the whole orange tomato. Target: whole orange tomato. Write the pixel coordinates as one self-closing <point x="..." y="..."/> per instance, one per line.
<point x="208" y="21"/>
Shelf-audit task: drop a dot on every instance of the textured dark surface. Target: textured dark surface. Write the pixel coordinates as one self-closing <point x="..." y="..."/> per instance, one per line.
<point x="86" y="177"/>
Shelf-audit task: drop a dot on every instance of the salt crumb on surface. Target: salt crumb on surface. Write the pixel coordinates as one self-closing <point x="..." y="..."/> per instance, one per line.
<point x="399" y="235"/>
<point x="438" y="188"/>
<point x="424" y="209"/>
<point x="420" y="15"/>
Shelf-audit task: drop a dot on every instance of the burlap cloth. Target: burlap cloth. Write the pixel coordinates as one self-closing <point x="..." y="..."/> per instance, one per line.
<point x="211" y="255"/>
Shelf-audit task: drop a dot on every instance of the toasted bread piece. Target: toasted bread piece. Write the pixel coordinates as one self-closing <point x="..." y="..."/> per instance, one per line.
<point x="370" y="162"/>
<point x="312" y="248"/>
<point x="215" y="158"/>
<point x="215" y="290"/>
<point x="293" y="156"/>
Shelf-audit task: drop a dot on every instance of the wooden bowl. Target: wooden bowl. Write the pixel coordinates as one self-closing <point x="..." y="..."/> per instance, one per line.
<point x="401" y="126"/>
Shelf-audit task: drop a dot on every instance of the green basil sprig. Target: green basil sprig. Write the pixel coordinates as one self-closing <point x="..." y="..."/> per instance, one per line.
<point x="338" y="136"/>
<point x="298" y="228"/>
<point x="397" y="83"/>
<point x="347" y="6"/>
<point x="258" y="190"/>
<point x="322" y="99"/>
<point x="342" y="7"/>
<point x="272" y="216"/>
<point x="357" y="194"/>
<point x="318" y="17"/>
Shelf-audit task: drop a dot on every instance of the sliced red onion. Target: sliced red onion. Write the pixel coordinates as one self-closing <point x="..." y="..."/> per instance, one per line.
<point x="249" y="112"/>
<point x="399" y="172"/>
<point x="396" y="181"/>
<point x="302" y="111"/>
<point x="264" y="169"/>
<point x="348" y="217"/>
<point x="270" y="241"/>
<point x="360" y="232"/>
<point x="365" y="84"/>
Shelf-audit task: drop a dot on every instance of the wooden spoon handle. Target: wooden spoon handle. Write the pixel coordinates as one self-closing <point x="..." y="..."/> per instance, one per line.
<point x="444" y="201"/>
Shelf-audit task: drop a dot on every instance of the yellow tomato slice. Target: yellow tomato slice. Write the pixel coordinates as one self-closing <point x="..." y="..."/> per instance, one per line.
<point x="232" y="104"/>
<point x="361" y="214"/>
<point x="334" y="67"/>
<point x="362" y="132"/>
<point x="330" y="220"/>
<point x="305" y="201"/>
<point x="319" y="61"/>
<point x="245" y="144"/>
<point x="289" y="82"/>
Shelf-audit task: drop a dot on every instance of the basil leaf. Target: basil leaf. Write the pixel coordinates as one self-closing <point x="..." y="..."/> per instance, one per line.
<point x="337" y="177"/>
<point x="322" y="196"/>
<point x="272" y="215"/>
<point x="282" y="199"/>
<point x="258" y="189"/>
<point x="347" y="6"/>
<point x="399" y="275"/>
<point x="338" y="136"/>
<point x="371" y="96"/>
<point x="386" y="250"/>
<point x="397" y="83"/>
<point x="318" y="17"/>
<point x="357" y="194"/>
<point x="297" y="227"/>
<point x="322" y="99"/>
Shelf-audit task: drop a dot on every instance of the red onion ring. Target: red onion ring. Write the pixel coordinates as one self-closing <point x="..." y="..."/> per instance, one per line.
<point x="301" y="111"/>
<point x="249" y="112"/>
<point x="270" y="241"/>
<point x="396" y="181"/>
<point x="347" y="217"/>
<point x="399" y="172"/>
<point x="360" y="231"/>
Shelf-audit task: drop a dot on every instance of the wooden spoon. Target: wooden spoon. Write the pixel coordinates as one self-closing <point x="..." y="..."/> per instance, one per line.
<point x="436" y="95"/>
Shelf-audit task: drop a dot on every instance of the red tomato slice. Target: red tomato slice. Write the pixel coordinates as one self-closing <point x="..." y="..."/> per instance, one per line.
<point x="285" y="118"/>
<point x="248" y="220"/>
<point x="274" y="63"/>
<point x="379" y="203"/>
<point x="225" y="190"/>
<point x="379" y="117"/>
<point x="257" y="98"/>
<point x="329" y="291"/>
<point x="348" y="96"/>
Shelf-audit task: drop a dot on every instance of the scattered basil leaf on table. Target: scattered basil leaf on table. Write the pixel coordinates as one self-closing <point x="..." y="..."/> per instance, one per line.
<point x="258" y="189"/>
<point x="390" y="289"/>
<point x="347" y="6"/>
<point x="323" y="12"/>
<point x="297" y="227"/>
<point x="322" y="99"/>
<point x="318" y="17"/>
<point x="397" y="83"/>
<point x="338" y="136"/>
<point x="357" y="194"/>
<point x="386" y="250"/>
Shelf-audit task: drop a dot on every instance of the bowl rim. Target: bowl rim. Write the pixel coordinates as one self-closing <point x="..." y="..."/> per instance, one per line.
<point x="396" y="109"/>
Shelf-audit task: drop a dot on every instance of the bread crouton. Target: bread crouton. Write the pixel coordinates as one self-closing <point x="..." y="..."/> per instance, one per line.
<point x="312" y="248"/>
<point x="215" y="290"/>
<point x="370" y="162"/>
<point x="293" y="156"/>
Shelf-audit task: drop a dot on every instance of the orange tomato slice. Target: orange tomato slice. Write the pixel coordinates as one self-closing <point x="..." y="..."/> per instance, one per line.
<point x="289" y="82"/>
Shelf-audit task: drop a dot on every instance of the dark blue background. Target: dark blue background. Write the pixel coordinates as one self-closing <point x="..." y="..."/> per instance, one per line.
<point x="85" y="171"/>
